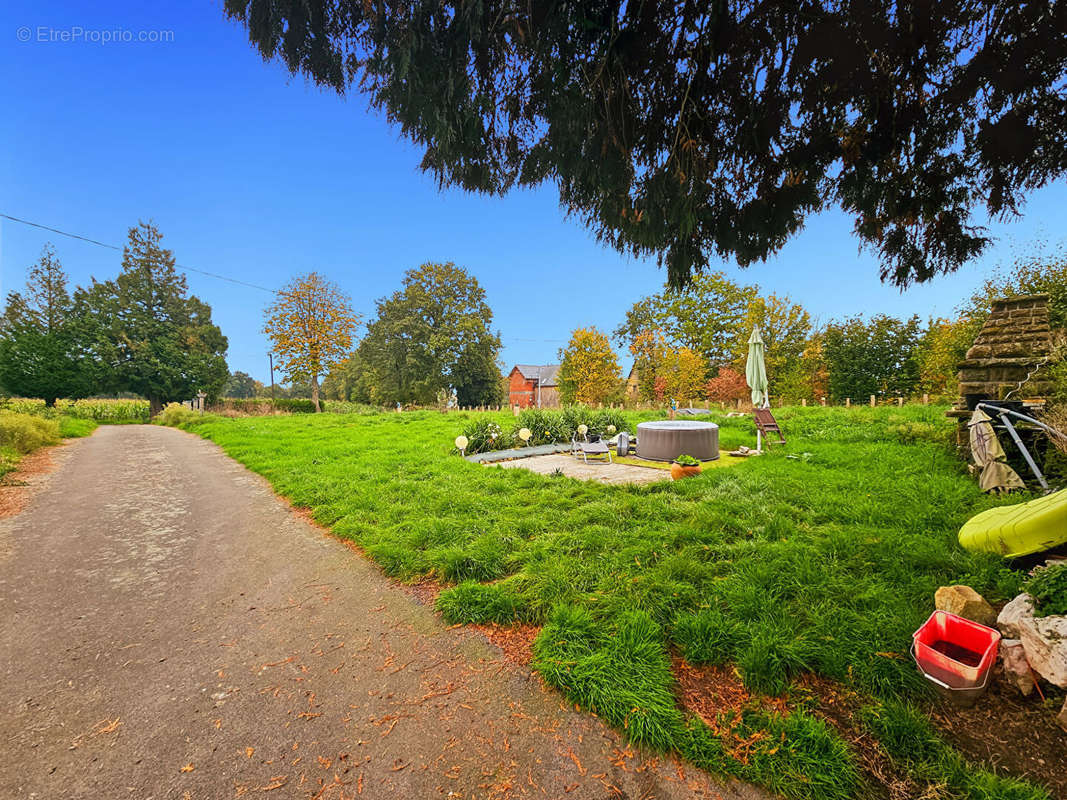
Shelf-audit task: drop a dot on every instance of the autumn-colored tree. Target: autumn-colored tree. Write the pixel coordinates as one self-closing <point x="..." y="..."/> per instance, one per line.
<point x="941" y="348"/>
<point x="589" y="371"/>
<point x="727" y="387"/>
<point x="784" y="327"/>
<point x="310" y="325"/>
<point x="647" y="348"/>
<point x="685" y="373"/>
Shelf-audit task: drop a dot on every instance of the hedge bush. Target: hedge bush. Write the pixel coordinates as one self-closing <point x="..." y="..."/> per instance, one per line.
<point x="26" y="432"/>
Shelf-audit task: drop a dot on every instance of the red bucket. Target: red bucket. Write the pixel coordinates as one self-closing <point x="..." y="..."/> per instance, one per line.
<point x="954" y="652"/>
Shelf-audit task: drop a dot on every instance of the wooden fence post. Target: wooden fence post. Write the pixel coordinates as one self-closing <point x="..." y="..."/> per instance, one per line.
<point x="804" y="402"/>
<point x="872" y="401"/>
<point x="848" y="402"/>
<point x="822" y="401"/>
<point x="926" y="399"/>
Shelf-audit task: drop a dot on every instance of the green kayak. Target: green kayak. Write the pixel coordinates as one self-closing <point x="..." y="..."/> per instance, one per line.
<point x="1019" y="530"/>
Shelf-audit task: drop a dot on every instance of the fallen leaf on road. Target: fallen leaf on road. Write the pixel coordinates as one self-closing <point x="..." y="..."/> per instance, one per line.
<point x="107" y="726"/>
<point x="276" y="782"/>
<point x="249" y="751"/>
<point x="188" y="768"/>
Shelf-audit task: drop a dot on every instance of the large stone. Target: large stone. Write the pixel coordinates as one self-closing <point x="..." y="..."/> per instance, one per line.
<point x="1044" y="638"/>
<point x="1061" y="718"/>
<point x="1016" y="667"/>
<point x="965" y="602"/>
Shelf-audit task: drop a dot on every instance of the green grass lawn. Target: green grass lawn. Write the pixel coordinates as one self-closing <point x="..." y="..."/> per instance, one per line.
<point x="822" y="563"/>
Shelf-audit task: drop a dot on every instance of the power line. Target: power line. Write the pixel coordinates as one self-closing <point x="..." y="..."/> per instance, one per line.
<point x="185" y="268"/>
<point x="182" y="267"/>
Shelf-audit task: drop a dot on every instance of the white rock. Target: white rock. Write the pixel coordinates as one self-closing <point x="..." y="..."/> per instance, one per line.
<point x="1044" y="638"/>
<point x="1016" y="668"/>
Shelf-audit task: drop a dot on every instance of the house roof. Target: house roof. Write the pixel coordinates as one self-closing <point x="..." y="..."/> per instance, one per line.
<point x="547" y="373"/>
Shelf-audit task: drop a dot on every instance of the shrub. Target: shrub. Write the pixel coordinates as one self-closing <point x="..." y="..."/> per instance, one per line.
<point x="484" y="435"/>
<point x="26" y="432"/>
<point x="176" y="415"/>
<point x="1048" y="587"/>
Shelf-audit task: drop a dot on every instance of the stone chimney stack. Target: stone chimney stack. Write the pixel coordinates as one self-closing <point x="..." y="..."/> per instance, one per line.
<point x="1015" y="340"/>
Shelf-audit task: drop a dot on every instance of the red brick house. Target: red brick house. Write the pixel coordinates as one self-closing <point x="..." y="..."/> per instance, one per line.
<point x="535" y="386"/>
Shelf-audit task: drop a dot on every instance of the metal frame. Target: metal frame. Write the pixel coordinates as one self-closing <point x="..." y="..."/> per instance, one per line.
<point x="1002" y="414"/>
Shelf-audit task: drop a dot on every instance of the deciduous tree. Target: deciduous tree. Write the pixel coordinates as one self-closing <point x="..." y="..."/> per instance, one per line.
<point x="709" y="317"/>
<point x="240" y="385"/>
<point x="697" y="130"/>
<point x="310" y="325"/>
<point x="434" y="333"/>
<point x="876" y="357"/>
<point x="589" y="371"/>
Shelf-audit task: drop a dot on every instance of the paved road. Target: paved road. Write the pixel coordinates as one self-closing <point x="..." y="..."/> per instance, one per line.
<point x="171" y="630"/>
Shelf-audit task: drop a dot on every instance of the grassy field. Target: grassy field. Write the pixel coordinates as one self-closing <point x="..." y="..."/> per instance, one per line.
<point x="819" y="557"/>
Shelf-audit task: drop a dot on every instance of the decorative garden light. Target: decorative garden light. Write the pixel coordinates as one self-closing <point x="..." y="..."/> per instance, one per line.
<point x="461" y="445"/>
<point x="525" y="434"/>
<point x="583" y="430"/>
<point x="611" y="430"/>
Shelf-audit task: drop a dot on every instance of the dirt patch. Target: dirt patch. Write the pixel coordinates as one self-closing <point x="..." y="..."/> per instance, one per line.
<point x="1017" y="735"/>
<point x="516" y="641"/>
<point x="18" y="487"/>
<point x="718" y="696"/>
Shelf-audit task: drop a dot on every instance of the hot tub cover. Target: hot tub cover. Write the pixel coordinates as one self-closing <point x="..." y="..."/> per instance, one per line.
<point x="665" y="440"/>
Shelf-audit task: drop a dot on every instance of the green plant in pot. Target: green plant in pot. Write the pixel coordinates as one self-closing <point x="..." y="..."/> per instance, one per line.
<point x="685" y="466"/>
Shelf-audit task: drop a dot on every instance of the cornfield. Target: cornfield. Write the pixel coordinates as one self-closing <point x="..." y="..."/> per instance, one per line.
<point x="98" y="409"/>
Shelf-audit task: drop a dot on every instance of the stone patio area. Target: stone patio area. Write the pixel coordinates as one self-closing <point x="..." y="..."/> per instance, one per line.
<point x="593" y="471"/>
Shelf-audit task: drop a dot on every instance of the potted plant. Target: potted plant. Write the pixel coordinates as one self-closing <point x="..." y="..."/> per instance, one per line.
<point x="685" y="466"/>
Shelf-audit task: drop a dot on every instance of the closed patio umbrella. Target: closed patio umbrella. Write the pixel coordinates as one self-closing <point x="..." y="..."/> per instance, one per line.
<point x="756" y="370"/>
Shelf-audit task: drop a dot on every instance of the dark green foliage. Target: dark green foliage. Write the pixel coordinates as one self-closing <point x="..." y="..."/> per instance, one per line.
<point x="239" y="385"/>
<point x="1048" y="587"/>
<point x="698" y="131"/>
<point x="155" y="339"/>
<point x="878" y="357"/>
<point x="433" y="334"/>
<point x="42" y="336"/>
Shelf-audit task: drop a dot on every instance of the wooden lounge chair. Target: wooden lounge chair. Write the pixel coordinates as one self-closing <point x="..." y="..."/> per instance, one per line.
<point x="581" y="446"/>
<point x="767" y="425"/>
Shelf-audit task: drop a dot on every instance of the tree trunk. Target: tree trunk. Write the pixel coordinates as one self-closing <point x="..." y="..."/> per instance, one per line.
<point x="155" y="405"/>
<point x="315" y="393"/>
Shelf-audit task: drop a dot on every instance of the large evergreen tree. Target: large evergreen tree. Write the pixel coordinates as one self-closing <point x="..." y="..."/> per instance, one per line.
<point x="700" y="129"/>
<point x="42" y="335"/>
<point x="152" y="336"/>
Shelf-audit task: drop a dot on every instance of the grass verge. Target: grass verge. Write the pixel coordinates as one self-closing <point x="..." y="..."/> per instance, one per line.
<point x="822" y="562"/>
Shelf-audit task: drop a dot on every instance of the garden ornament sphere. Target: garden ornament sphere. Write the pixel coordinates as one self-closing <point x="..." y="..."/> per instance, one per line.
<point x="611" y="429"/>
<point x="461" y="443"/>
<point x="525" y="434"/>
<point x="583" y="430"/>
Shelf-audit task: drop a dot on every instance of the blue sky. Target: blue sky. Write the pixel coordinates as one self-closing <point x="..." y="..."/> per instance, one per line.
<point x="256" y="175"/>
